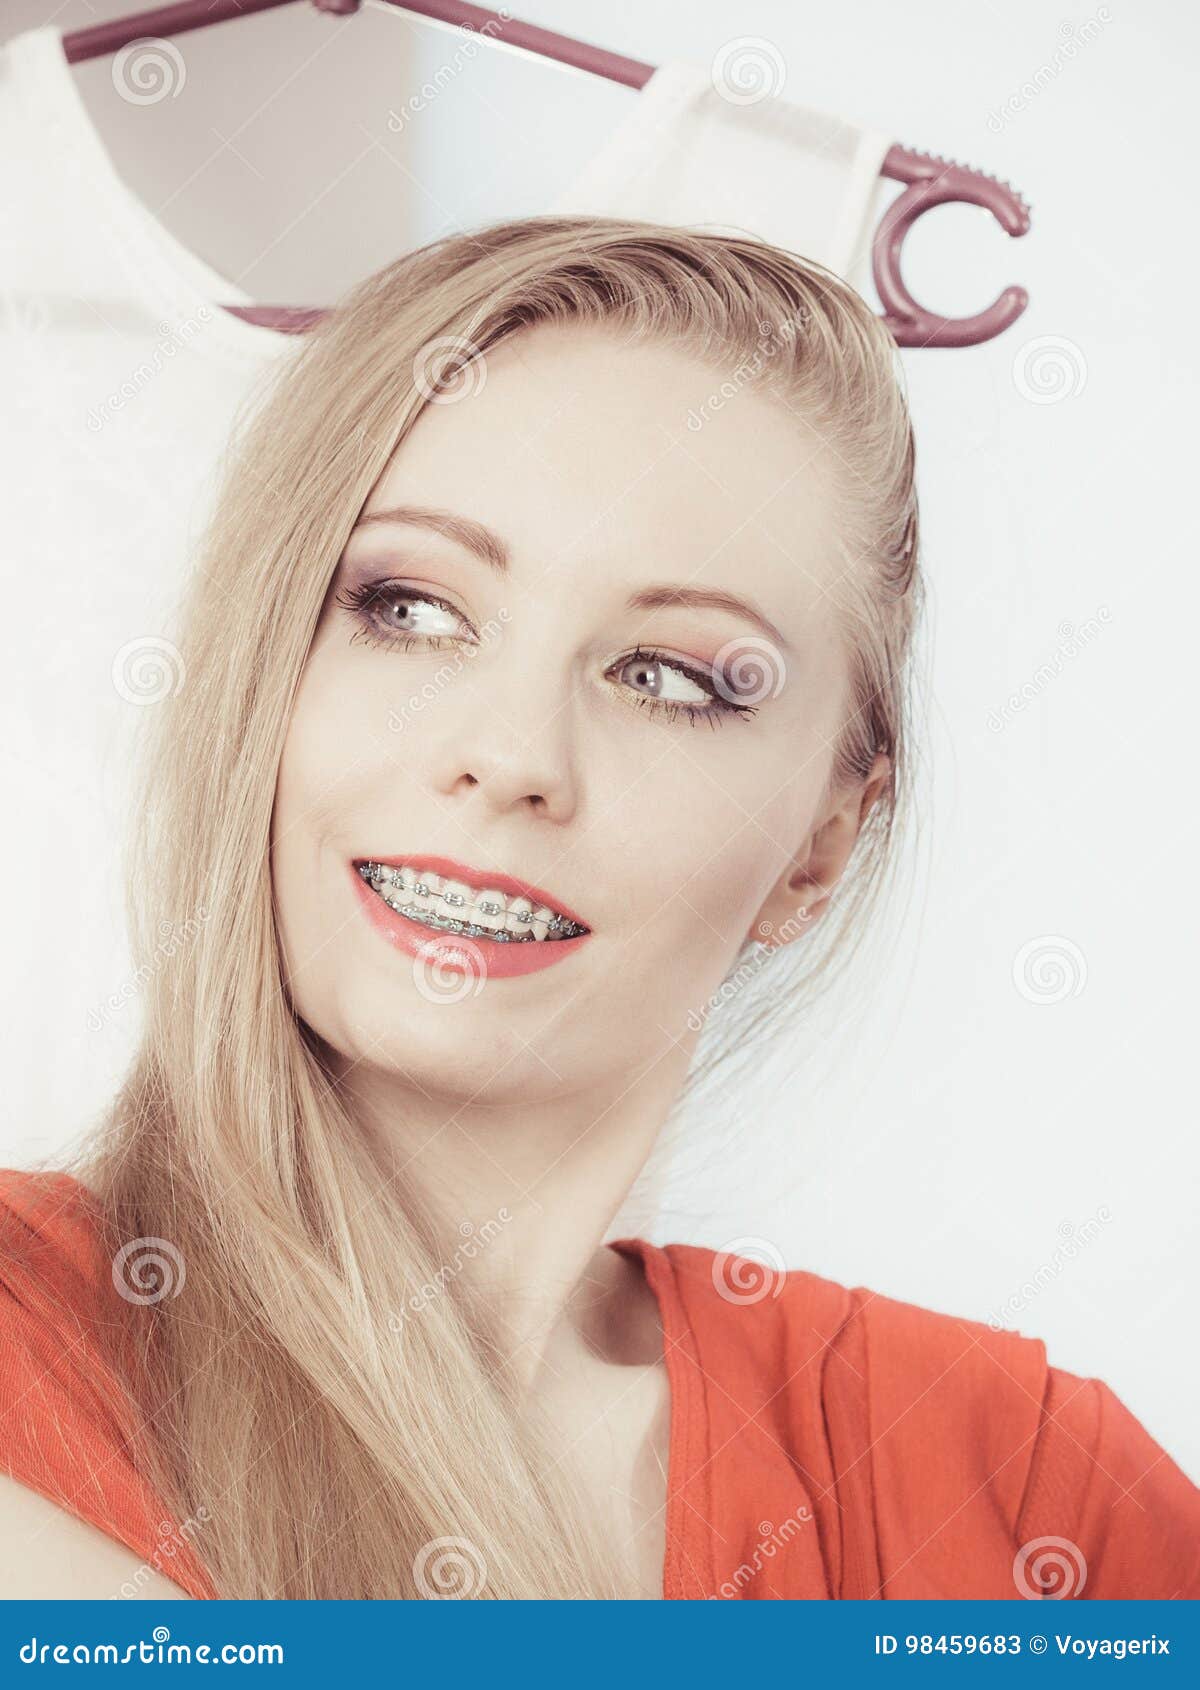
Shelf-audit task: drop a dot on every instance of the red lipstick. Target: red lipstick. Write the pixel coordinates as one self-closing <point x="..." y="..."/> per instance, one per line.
<point x="496" y="959"/>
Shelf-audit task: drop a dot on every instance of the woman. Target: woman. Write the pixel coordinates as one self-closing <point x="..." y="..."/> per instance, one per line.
<point x="329" y="1312"/>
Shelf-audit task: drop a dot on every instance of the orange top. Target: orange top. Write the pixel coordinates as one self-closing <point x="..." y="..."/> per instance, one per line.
<point x="824" y="1442"/>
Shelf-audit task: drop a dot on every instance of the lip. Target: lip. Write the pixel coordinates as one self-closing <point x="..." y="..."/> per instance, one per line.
<point x="500" y="960"/>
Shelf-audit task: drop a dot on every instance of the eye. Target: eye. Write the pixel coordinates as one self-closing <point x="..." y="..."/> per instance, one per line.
<point x="391" y="614"/>
<point x="671" y="685"/>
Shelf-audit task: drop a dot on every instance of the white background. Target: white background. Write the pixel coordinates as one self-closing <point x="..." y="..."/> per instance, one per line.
<point x="936" y="1134"/>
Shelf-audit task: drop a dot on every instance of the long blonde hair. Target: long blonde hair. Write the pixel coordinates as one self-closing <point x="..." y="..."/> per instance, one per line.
<point x="328" y="1455"/>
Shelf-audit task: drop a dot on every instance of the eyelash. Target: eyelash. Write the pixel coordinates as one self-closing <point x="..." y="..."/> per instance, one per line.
<point x="361" y="599"/>
<point x="720" y="710"/>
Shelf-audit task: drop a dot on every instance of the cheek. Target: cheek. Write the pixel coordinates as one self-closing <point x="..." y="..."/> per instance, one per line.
<point x="334" y="750"/>
<point x="710" y="843"/>
<point x="338" y="741"/>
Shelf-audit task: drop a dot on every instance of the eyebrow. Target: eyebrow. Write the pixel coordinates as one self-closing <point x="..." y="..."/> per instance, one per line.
<point x="706" y="598"/>
<point x="492" y="551"/>
<point x="473" y="535"/>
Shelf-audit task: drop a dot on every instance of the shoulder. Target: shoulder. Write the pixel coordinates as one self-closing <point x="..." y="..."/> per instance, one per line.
<point x="755" y="1309"/>
<point x="960" y="1439"/>
<point x="47" y="1220"/>
<point x="47" y="1553"/>
<point x="901" y="1379"/>
<point x="1106" y="1507"/>
<point x="75" y="1516"/>
<point x="52" y="1307"/>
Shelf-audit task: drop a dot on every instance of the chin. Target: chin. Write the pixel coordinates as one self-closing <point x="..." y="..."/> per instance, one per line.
<point x="459" y="1053"/>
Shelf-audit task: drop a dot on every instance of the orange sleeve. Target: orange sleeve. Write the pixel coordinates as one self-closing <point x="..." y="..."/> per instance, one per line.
<point x="1122" y="1519"/>
<point x="62" y="1415"/>
<point x="994" y="1474"/>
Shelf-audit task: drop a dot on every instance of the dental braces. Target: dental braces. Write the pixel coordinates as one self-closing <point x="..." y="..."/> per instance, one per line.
<point x="467" y="929"/>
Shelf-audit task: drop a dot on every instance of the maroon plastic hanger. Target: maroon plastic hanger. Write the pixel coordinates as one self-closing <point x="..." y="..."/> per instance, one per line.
<point x="929" y="180"/>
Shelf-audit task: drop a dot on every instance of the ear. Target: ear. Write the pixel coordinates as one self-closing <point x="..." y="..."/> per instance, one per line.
<point x="802" y="894"/>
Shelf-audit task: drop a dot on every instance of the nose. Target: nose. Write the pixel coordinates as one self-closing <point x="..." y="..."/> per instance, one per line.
<point x="510" y="747"/>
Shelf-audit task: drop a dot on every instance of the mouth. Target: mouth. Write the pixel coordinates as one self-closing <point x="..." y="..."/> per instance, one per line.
<point x="447" y="897"/>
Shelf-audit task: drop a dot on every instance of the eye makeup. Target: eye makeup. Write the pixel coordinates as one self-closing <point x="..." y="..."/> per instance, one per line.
<point x="402" y="617"/>
<point x="371" y="603"/>
<point x="665" y="678"/>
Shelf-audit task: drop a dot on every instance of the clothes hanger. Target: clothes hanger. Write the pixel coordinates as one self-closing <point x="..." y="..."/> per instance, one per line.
<point x="929" y="180"/>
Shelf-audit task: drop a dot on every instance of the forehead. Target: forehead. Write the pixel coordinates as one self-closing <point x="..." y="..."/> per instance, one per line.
<point x="578" y="447"/>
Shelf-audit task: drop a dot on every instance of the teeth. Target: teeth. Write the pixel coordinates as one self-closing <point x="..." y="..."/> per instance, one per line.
<point x="427" y="891"/>
<point x="453" y="906"/>
<point x="490" y="908"/>
<point x="520" y="917"/>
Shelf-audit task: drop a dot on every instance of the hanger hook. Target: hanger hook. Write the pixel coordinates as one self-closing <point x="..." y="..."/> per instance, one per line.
<point x="935" y="181"/>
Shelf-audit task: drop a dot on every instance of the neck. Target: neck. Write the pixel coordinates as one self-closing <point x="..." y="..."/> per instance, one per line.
<point x="518" y="1197"/>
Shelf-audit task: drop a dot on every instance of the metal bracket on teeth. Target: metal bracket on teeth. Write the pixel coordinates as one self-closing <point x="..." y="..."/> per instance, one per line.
<point x="465" y="929"/>
<point x="469" y="929"/>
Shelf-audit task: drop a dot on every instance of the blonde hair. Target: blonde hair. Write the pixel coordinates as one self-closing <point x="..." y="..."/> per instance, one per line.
<point x="330" y="1456"/>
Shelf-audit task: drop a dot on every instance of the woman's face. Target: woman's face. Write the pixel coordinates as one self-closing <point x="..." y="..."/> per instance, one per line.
<point x="596" y="658"/>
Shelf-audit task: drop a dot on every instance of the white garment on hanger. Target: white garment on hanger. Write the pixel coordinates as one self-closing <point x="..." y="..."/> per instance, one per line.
<point x="121" y="379"/>
<point x="691" y="152"/>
